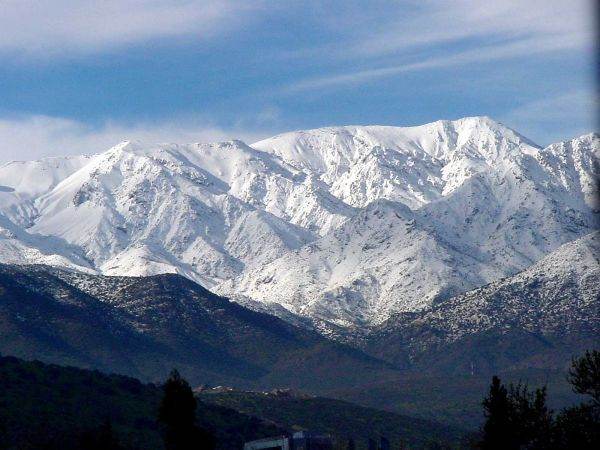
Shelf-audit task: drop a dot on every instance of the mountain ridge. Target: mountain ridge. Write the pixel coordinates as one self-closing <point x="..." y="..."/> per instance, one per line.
<point x="556" y="301"/>
<point x="145" y="326"/>
<point x="246" y="221"/>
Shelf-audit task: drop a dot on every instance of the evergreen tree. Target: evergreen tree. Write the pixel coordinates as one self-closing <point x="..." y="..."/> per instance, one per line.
<point x="497" y="433"/>
<point x="177" y="414"/>
<point x="516" y="418"/>
<point x="579" y="426"/>
<point x="530" y="420"/>
<point x="584" y="375"/>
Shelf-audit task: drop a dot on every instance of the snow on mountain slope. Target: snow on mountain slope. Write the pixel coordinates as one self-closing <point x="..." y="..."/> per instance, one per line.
<point x="557" y="296"/>
<point x="526" y="207"/>
<point x="143" y="211"/>
<point x="583" y="155"/>
<point x="500" y="205"/>
<point x="342" y="224"/>
<point x="22" y="181"/>
<point x="413" y="165"/>
<point x="19" y="247"/>
<point x="383" y="260"/>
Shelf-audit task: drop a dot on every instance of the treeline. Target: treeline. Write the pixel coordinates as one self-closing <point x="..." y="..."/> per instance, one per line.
<point x="64" y="408"/>
<point x="519" y="418"/>
<point x="176" y="419"/>
<point x="45" y="406"/>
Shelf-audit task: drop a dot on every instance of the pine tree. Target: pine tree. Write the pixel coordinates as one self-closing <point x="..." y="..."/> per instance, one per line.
<point x="177" y="414"/>
<point x="497" y="433"/>
<point x="530" y="420"/>
<point x="517" y="418"/>
<point x="584" y="375"/>
<point x="579" y="426"/>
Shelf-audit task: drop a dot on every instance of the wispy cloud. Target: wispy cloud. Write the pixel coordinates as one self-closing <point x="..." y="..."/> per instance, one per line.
<point x="505" y="50"/>
<point x="53" y="28"/>
<point x="307" y="48"/>
<point x="421" y="33"/>
<point x="556" y="118"/>
<point x="33" y="137"/>
<point x="432" y="22"/>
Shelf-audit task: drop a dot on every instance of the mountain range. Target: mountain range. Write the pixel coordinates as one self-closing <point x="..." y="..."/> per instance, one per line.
<point x="344" y="227"/>
<point x="548" y="311"/>
<point x="398" y="268"/>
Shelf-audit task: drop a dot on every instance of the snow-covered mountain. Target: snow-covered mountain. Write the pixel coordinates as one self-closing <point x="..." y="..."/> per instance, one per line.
<point x="347" y="224"/>
<point x="557" y="297"/>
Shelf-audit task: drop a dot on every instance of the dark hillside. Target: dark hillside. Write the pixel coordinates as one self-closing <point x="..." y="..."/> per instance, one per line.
<point x="49" y="406"/>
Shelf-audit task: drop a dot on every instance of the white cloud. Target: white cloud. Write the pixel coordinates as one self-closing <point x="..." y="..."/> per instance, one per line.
<point x="504" y="50"/>
<point x="33" y="137"/>
<point x="62" y="27"/>
<point x="430" y="22"/>
<point x="420" y="34"/>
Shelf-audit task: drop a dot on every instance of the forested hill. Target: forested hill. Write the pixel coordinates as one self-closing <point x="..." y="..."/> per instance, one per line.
<point x="52" y="407"/>
<point x="56" y="407"/>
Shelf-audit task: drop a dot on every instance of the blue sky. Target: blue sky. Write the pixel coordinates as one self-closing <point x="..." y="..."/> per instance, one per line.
<point x="80" y="76"/>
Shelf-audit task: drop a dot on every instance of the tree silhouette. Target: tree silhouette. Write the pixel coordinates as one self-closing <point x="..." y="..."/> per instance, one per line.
<point x="177" y="414"/>
<point x="497" y="413"/>
<point x="517" y="418"/>
<point x="584" y="375"/>
<point x="530" y="420"/>
<point x="579" y="426"/>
